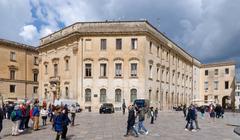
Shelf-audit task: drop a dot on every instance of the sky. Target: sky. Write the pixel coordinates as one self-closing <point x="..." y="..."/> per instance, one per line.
<point x="208" y="29"/>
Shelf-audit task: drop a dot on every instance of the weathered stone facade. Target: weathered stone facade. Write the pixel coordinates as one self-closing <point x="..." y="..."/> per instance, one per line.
<point x="17" y="68"/>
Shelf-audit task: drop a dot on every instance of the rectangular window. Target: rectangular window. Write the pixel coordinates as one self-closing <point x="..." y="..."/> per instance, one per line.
<point x="103" y="44"/>
<point x="226" y="84"/>
<point x="55" y="69"/>
<point x="35" y="77"/>
<point x="173" y="60"/>
<point x="158" y="50"/>
<point x="134" y="69"/>
<point x="216" y="72"/>
<point x="12" y="56"/>
<point x="157" y="73"/>
<point x="215" y="85"/>
<point x="35" y="60"/>
<point x="88" y="70"/>
<point x="12" y="74"/>
<point x="150" y="47"/>
<point x="103" y="70"/>
<point x="205" y="99"/>
<point x="12" y="88"/>
<point x="88" y="44"/>
<point x="167" y="55"/>
<point x="66" y="64"/>
<point x="150" y="71"/>
<point x="35" y="89"/>
<point x="134" y="44"/>
<point x="46" y="69"/>
<point x="206" y="85"/>
<point x="118" y="44"/>
<point x="206" y="72"/>
<point x="118" y="69"/>
<point x="226" y="71"/>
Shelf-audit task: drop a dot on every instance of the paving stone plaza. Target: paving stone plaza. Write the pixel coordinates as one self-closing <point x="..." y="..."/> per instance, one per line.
<point x="169" y="126"/>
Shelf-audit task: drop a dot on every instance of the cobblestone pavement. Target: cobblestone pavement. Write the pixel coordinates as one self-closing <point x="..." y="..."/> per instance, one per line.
<point x="169" y="126"/>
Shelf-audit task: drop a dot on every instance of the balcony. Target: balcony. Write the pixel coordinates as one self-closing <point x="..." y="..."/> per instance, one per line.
<point x="54" y="79"/>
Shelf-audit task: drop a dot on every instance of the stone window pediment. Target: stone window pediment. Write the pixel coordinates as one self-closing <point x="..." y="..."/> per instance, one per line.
<point x="55" y="60"/>
<point x="87" y="59"/>
<point x="150" y="61"/>
<point x="66" y="57"/>
<point x="35" y="70"/>
<point x="118" y="59"/>
<point x="12" y="67"/>
<point x="133" y="59"/>
<point x="66" y="83"/>
<point x="45" y="63"/>
<point x="158" y="65"/>
<point x="102" y="59"/>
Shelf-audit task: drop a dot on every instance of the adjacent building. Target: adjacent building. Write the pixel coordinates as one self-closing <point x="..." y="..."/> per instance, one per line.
<point x="237" y="95"/>
<point x="18" y="70"/>
<point x="218" y="83"/>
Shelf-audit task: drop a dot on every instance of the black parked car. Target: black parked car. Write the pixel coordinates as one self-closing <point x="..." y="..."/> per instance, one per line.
<point x="106" y="108"/>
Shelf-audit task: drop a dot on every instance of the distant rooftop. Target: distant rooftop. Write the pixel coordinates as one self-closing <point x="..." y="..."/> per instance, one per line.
<point x="218" y="64"/>
<point x="18" y="45"/>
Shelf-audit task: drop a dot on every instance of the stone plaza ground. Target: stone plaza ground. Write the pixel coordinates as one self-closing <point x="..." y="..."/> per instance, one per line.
<point x="169" y="126"/>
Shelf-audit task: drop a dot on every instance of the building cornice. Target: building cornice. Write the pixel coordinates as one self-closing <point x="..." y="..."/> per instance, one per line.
<point x="18" y="81"/>
<point x="219" y="64"/>
<point x="18" y="45"/>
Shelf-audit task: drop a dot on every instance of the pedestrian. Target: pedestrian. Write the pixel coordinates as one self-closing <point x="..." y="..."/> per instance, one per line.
<point x="73" y="114"/>
<point x="36" y="114"/>
<point x="156" y="113"/>
<point x="15" y="117"/>
<point x="185" y="110"/>
<point x="152" y="115"/>
<point x="65" y="123"/>
<point x="202" y="110"/>
<point x="141" y="118"/>
<point x="44" y="114"/>
<point x="28" y="108"/>
<point x="23" y="117"/>
<point x="196" y="119"/>
<point x="1" y="119"/>
<point x="131" y="121"/>
<point x="212" y="112"/>
<point x="123" y="108"/>
<point x="58" y="122"/>
<point x="190" y="118"/>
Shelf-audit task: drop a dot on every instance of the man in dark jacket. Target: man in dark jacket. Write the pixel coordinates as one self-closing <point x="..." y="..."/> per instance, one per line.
<point x="1" y="118"/>
<point x="190" y="118"/>
<point x="65" y="123"/>
<point x="28" y="108"/>
<point x="131" y="121"/>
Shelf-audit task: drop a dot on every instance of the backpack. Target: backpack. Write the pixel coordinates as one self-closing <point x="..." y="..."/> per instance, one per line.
<point x="13" y="116"/>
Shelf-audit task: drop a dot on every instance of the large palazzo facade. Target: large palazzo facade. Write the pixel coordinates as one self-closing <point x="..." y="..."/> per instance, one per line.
<point x="116" y="62"/>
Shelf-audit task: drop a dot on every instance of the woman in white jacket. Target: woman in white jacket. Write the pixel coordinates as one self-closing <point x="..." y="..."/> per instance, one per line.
<point x="44" y="114"/>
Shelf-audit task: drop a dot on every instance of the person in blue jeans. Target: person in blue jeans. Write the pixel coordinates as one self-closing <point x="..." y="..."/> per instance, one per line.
<point x="190" y="118"/>
<point x="141" y="118"/>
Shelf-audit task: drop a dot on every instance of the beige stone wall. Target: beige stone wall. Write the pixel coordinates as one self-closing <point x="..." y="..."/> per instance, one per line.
<point x="23" y="66"/>
<point x="221" y="78"/>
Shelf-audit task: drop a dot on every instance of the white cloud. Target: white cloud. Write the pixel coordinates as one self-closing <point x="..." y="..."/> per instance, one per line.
<point x="45" y="31"/>
<point x="29" y="32"/>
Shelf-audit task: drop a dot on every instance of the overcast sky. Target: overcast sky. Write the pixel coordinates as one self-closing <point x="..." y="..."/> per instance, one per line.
<point x="207" y="29"/>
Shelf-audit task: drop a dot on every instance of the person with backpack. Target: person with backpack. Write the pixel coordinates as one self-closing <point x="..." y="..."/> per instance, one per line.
<point x="141" y="118"/>
<point x="65" y="123"/>
<point x="36" y="114"/>
<point x="58" y="122"/>
<point x="15" y="117"/>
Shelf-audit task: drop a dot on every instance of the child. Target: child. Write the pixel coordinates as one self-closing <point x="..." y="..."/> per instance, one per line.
<point x="44" y="114"/>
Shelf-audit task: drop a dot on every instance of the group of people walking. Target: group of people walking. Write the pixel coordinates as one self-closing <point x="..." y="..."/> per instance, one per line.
<point x="134" y="113"/>
<point x="26" y="115"/>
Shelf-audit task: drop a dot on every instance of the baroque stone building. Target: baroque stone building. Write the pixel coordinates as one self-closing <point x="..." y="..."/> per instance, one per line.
<point x="18" y="70"/>
<point x="116" y="61"/>
<point x="119" y="61"/>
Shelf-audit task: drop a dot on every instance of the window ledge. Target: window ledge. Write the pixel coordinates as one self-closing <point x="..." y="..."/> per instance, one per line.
<point x="88" y="77"/>
<point x="150" y="79"/>
<point x="118" y="77"/>
<point x="133" y="77"/>
<point x="158" y="81"/>
<point x="13" y="60"/>
<point x="103" y="77"/>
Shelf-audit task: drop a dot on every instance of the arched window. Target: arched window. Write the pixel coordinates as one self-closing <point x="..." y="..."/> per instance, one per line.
<point x="66" y="92"/>
<point x="103" y="95"/>
<point x="133" y="94"/>
<point x="118" y="95"/>
<point x="88" y="95"/>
